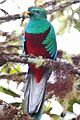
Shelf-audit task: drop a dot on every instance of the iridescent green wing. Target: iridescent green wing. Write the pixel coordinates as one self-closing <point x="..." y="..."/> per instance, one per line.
<point x="50" y="43"/>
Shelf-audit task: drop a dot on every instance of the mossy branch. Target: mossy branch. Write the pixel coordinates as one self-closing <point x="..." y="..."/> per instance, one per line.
<point x="54" y="65"/>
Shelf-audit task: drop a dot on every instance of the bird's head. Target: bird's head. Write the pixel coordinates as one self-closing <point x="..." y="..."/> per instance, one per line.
<point x="37" y="13"/>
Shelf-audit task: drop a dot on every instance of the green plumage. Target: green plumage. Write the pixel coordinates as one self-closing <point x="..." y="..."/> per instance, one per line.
<point x="50" y="41"/>
<point x="41" y="26"/>
<point x="40" y="40"/>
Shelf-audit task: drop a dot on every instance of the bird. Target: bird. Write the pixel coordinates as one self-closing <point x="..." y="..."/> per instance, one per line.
<point x="39" y="39"/>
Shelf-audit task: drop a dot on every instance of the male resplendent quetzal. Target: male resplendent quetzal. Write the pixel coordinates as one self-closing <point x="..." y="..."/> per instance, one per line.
<point x="39" y="40"/>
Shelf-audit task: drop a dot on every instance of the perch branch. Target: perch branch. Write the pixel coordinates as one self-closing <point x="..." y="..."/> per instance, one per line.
<point x="54" y="65"/>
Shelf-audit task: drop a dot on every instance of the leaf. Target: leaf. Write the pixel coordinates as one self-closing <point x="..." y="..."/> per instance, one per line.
<point x="39" y="2"/>
<point x="47" y="107"/>
<point x="77" y="19"/>
<point x="15" y="104"/>
<point x="8" y="91"/>
<point x="18" y="67"/>
<point x="11" y="68"/>
<point x="70" y="99"/>
<point x="4" y="68"/>
<point x="55" y="117"/>
<point x="71" y="102"/>
<point x="64" y="24"/>
<point x="77" y="25"/>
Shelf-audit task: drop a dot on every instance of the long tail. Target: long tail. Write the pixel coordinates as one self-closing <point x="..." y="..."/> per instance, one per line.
<point x="34" y="95"/>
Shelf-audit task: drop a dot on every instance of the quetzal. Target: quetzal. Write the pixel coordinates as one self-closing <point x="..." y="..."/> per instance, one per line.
<point x="40" y="40"/>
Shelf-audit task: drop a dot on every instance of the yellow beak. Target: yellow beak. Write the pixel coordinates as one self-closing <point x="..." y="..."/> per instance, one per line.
<point x="26" y="13"/>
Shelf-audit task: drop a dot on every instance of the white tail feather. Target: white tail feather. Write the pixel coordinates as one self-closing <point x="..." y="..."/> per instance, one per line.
<point x="34" y="93"/>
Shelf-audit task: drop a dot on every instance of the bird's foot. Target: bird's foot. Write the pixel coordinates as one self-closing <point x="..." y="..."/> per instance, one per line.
<point x="40" y="62"/>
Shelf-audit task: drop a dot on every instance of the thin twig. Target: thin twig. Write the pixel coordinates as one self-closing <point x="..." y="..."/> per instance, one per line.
<point x="63" y="6"/>
<point x="3" y="1"/>
<point x="4" y="11"/>
<point x="50" y="3"/>
<point x="10" y="38"/>
<point x="3" y="33"/>
<point x="10" y="46"/>
<point x="10" y="17"/>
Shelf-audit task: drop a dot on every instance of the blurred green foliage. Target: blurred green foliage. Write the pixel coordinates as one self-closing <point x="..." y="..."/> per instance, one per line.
<point x="8" y="91"/>
<point x="11" y="68"/>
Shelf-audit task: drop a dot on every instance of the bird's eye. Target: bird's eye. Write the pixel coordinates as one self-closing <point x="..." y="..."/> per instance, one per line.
<point x="37" y="11"/>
